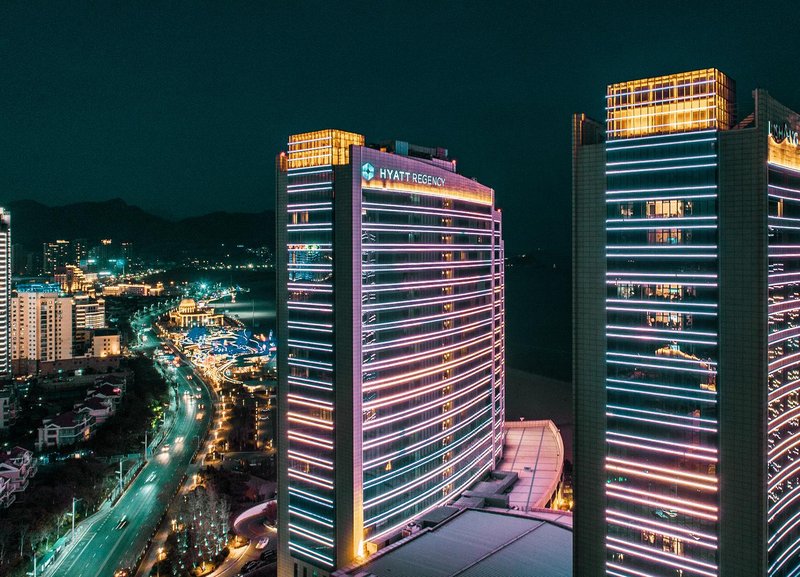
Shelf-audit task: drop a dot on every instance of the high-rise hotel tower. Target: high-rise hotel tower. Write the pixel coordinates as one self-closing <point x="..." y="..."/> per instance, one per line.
<point x="687" y="333"/>
<point x="5" y="294"/>
<point x="391" y="342"/>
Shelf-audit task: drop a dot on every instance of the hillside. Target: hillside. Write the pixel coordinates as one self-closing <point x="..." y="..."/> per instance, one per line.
<point x="33" y="223"/>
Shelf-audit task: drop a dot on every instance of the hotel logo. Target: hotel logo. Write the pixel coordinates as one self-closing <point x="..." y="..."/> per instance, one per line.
<point x="367" y="171"/>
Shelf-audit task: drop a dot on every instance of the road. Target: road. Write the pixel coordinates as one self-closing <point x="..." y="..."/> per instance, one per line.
<point x="115" y="537"/>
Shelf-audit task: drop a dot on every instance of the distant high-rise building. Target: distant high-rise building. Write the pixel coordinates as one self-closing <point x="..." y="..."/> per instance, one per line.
<point x="41" y="326"/>
<point x="81" y="250"/>
<point x="56" y="254"/>
<point x="18" y="260"/>
<point x="391" y="319"/>
<point x="5" y="293"/>
<point x="90" y="312"/>
<point x="126" y="254"/>
<point x="687" y="333"/>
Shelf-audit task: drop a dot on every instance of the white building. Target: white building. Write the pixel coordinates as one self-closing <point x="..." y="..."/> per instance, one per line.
<point x="5" y="293"/>
<point x="18" y="466"/>
<point x="90" y="312"/>
<point x="41" y="326"/>
<point x="66" y="429"/>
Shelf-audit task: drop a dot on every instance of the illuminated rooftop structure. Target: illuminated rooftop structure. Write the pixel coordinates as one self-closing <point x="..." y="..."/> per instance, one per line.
<point x="697" y="100"/>
<point x="391" y="324"/>
<point x="687" y="333"/>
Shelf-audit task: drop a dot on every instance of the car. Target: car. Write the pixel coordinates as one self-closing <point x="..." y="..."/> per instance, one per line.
<point x="249" y="566"/>
<point x="122" y="523"/>
<point x="262" y="543"/>
<point x="269" y="555"/>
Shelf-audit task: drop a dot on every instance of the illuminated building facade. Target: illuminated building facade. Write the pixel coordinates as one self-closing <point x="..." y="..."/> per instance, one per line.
<point x="55" y="255"/>
<point x="687" y="326"/>
<point x="5" y="294"/>
<point x="391" y="331"/>
<point x="41" y="326"/>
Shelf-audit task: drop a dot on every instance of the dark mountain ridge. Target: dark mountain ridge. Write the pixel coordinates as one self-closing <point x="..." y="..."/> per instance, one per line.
<point x="33" y="223"/>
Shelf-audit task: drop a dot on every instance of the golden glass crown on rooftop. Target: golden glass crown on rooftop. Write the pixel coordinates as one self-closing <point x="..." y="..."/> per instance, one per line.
<point x="696" y="100"/>
<point x="321" y="147"/>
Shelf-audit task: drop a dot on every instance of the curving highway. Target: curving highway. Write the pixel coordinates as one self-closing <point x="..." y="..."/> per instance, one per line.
<point x="115" y="537"/>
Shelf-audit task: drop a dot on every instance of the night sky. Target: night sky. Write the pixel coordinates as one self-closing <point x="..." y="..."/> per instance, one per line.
<point x="180" y="107"/>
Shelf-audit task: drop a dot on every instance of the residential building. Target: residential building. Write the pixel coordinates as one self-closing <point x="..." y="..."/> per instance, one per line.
<point x="686" y="312"/>
<point x="18" y="466"/>
<point x="41" y="319"/>
<point x="66" y="429"/>
<point x="6" y="496"/>
<point x="5" y="294"/>
<point x="105" y="343"/>
<point x="9" y="406"/>
<point x="90" y="312"/>
<point x="391" y="319"/>
<point x="56" y="254"/>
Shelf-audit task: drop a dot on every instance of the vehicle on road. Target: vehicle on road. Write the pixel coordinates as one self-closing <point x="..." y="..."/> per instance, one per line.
<point x="249" y="566"/>
<point x="262" y="543"/>
<point x="122" y="523"/>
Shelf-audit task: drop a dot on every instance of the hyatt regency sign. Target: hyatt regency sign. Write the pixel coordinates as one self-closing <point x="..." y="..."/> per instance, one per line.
<point x="781" y="132"/>
<point x="368" y="172"/>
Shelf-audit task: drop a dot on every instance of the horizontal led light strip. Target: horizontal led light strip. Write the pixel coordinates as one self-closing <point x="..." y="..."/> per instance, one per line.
<point x="611" y="145"/>
<point x="418" y="410"/>
<point x="656" y="160"/>
<point x="426" y="301"/>
<point x="410" y="449"/>
<point x="654" y="555"/>
<point x="670" y="189"/>
<point x="390" y="325"/>
<point x="405" y="396"/>
<point x="662" y="395"/>
<point x="660" y="422"/>
<point x="658" y="529"/>
<point x="435" y="489"/>
<point x="385" y="345"/>
<point x="628" y="572"/>
<point x="435" y="264"/>
<point x="660" y="169"/>
<point x="311" y="479"/>
<point x="414" y="358"/>
<point x="673" y="124"/>
<point x="466" y="439"/>
<point x="650" y="449"/>
<point x="665" y="358"/>
<point x="429" y="476"/>
<point x="309" y="516"/>
<point x="421" y="426"/>
<point x="312" y="498"/>
<point x="403" y="209"/>
<point x="393" y="380"/>
<point x="649" y="499"/>
<point x="328" y="561"/>
<point x="707" y="480"/>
